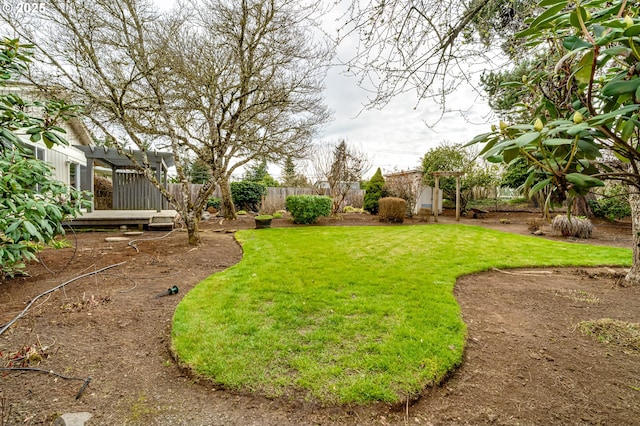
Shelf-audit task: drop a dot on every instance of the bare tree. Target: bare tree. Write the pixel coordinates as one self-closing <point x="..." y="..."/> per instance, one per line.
<point x="405" y="185"/>
<point x="339" y="167"/>
<point x="427" y="46"/>
<point x="225" y="82"/>
<point x="259" y="96"/>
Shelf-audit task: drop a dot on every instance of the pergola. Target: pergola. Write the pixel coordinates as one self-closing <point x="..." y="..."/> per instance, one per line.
<point x="130" y="191"/>
<point x="436" y="192"/>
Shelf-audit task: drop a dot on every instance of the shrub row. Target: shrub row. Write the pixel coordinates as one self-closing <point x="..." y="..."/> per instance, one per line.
<point x="308" y="208"/>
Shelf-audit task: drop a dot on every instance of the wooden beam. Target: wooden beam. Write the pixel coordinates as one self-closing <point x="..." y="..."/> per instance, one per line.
<point x="436" y="198"/>
<point x="89" y="182"/>
<point x="437" y="190"/>
<point x="457" y="198"/>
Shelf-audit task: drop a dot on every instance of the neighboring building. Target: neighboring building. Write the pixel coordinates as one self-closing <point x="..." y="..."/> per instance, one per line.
<point x="409" y="183"/>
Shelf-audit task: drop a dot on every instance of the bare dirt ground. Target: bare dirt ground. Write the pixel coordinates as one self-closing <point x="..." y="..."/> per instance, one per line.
<point x="525" y="361"/>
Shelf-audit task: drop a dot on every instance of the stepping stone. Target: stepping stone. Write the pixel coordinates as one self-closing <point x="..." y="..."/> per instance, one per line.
<point x="133" y="233"/>
<point x="72" y="419"/>
<point x="116" y="239"/>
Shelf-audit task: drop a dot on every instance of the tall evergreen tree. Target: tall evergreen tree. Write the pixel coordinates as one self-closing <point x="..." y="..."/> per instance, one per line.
<point x="257" y="171"/>
<point x="290" y="177"/>
<point x="199" y="171"/>
<point x="288" y="172"/>
<point x="374" y="191"/>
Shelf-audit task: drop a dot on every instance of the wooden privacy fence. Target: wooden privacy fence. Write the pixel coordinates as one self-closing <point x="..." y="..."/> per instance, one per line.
<point x="175" y="189"/>
<point x="276" y="196"/>
<point x="133" y="191"/>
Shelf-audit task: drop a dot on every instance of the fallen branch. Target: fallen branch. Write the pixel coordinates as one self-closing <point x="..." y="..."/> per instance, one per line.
<point x="527" y="273"/>
<point x="21" y="314"/>
<point x="40" y="370"/>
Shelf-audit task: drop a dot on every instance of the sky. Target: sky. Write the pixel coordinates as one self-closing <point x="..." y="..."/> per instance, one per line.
<point x="398" y="135"/>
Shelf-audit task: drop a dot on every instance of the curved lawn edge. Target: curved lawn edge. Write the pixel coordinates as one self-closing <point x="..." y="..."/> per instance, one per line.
<point x="349" y="315"/>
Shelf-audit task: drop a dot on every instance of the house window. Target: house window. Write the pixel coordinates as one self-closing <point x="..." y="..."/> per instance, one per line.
<point x="39" y="153"/>
<point x="74" y="175"/>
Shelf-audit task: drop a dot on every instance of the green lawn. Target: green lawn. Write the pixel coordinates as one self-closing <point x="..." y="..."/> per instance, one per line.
<point x="349" y="314"/>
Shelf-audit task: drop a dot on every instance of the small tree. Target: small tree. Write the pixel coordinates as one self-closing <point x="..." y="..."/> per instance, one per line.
<point x="341" y="167"/>
<point x="374" y="191"/>
<point x="404" y="185"/>
<point x="258" y="172"/>
<point x="199" y="172"/>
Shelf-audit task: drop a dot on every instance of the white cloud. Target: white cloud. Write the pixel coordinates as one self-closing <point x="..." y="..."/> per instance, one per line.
<point x="400" y="133"/>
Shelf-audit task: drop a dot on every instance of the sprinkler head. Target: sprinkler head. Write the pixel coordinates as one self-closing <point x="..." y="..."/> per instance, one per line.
<point x="169" y="292"/>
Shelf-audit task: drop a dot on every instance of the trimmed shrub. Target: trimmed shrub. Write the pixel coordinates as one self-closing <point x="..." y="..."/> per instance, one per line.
<point x="308" y="208"/>
<point x="247" y="195"/>
<point x="572" y="227"/>
<point x="424" y="215"/>
<point x="392" y="209"/>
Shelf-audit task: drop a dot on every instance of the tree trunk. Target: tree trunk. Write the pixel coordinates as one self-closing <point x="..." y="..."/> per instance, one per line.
<point x="228" y="209"/>
<point x="581" y="206"/>
<point x="633" y="277"/>
<point x="191" y="222"/>
<point x="535" y="201"/>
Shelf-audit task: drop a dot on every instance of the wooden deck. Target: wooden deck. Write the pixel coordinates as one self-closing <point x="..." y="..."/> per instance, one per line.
<point x="149" y="219"/>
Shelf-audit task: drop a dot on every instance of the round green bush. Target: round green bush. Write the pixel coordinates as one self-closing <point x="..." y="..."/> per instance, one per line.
<point x="247" y="195"/>
<point x="307" y="209"/>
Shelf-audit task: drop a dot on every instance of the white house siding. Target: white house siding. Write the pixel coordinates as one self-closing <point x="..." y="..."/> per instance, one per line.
<point x="60" y="157"/>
